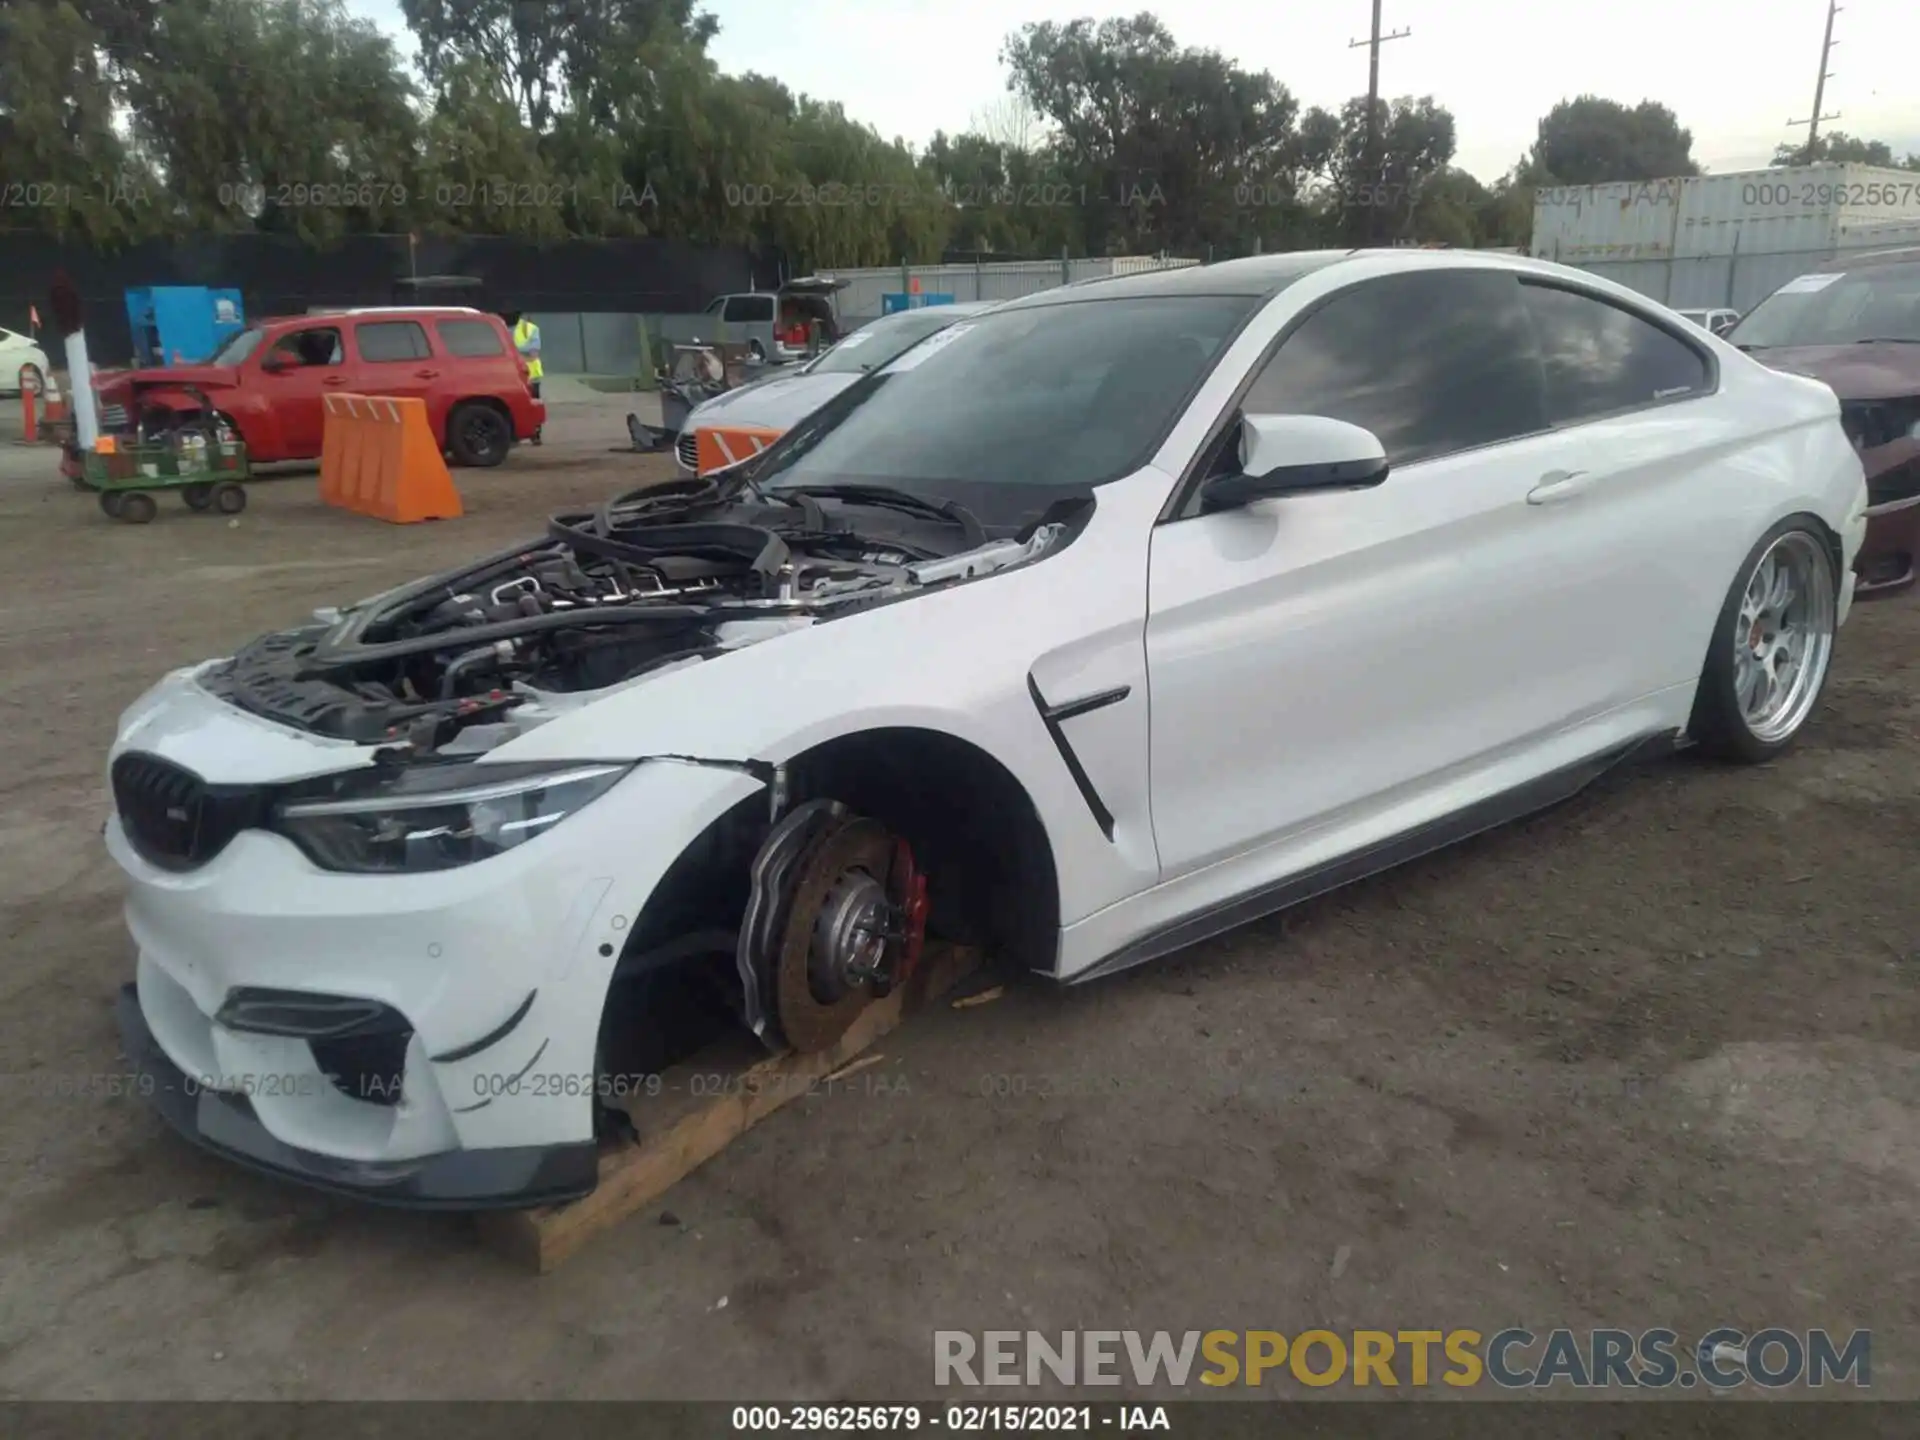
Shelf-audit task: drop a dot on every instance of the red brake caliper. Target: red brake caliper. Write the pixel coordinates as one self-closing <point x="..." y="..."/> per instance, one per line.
<point x="908" y="889"/>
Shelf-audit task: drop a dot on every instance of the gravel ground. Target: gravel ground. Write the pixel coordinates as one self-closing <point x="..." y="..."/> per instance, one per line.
<point x="1650" y="1059"/>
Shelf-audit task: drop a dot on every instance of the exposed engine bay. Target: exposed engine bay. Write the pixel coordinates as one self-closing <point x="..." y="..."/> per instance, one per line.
<point x="663" y="576"/>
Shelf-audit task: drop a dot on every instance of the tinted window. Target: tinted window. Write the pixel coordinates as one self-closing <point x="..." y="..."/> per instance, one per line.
<point x="881" y="342"/>
<point x="1600" y="359"/>
<point x="320" y="346"/>
<point x="749" y="308"/>
<point x="387" y="340"/>
<point x="471" y="339"/>
<point x="1878" y="303"/>
<point x="237" y="347"/>
<point x="1431" y="363"/>
<point x="1005" y="411"/>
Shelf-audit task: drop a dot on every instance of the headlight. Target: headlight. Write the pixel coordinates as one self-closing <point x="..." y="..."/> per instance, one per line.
<point x="433" y="817"/>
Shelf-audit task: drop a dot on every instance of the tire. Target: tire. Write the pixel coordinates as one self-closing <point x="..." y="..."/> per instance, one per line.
<point x="136" y="508"/>
<point x="757" y="351"/>
<point x="479" y="436"/>
<point x="229" y="497"/>
<point x="198" y="497"/>
<point x="110" y="503"/>
<point x="1772" y="647"/>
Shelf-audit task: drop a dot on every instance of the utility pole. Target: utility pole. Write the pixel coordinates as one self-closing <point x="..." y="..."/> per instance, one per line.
<point x="1820" y="89"/>
<point x="1372" y="154"/>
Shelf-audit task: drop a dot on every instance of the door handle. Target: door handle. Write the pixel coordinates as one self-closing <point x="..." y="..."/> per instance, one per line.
<point x="1558" y="485"/>
<point x="334" y="380"/>
<point x="426" y="374"/>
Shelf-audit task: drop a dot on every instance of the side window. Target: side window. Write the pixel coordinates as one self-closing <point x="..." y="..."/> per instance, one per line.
<point x="749" y="308"/>
<point x="319" y="346"/>
<point x="717" y="306"/>
<point x="1432" y="363"/>
<point x="469" y="339"/>
<point x="1601" y="359"/>
<point x="383" y="341"/>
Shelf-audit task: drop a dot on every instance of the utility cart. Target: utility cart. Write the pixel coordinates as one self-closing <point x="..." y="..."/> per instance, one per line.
<point x="209" y="473"/>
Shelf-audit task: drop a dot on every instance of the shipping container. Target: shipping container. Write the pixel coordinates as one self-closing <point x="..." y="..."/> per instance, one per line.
<point x="1724" y="240"/>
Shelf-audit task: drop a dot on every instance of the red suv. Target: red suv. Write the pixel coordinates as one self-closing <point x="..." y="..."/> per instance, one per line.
<point x="266" y="382"/>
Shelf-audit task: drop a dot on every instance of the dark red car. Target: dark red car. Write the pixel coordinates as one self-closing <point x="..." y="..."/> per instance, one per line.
<point x="266" y="382"/>
<point x="1855" y="324"/>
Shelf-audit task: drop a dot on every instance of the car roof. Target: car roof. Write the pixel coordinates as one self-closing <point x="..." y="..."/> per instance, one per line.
<point x="425" y="312"/>
<point x="1261" y="276"/>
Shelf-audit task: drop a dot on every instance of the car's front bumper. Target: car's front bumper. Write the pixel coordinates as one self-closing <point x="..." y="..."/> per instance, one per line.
<point x="1887" y="564"/>
<point x="225" y="1124"/>
<point x="489" y="980"/>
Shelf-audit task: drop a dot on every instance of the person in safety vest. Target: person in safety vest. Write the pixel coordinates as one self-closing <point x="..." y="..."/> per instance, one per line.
<point x="526" y="339"/>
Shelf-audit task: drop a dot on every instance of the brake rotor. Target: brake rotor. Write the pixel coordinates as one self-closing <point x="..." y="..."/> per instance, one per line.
<point x="842" y="935"/>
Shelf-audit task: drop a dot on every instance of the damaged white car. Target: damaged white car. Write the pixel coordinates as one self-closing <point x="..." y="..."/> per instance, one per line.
<point x="1090" y="627"/>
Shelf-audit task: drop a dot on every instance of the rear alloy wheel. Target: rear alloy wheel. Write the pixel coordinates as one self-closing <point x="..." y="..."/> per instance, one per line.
<point x="1772" y="648"/>
<point x="479" y="436"/>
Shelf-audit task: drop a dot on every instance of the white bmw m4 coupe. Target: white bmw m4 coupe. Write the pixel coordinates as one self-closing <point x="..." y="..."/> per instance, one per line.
<point x="1095" y="625"/>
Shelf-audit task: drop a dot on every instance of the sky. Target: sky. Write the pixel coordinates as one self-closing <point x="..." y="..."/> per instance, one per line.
<point x="1734" y="71"/>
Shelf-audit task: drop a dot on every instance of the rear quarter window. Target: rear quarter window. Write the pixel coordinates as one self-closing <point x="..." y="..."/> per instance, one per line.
<point x="384" y="341"/>
<point x="470" y="339"/>
<point x="1603" y="360"/>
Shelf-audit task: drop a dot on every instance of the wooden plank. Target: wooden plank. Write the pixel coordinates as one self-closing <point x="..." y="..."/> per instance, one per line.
<point x="684" y="1126"/>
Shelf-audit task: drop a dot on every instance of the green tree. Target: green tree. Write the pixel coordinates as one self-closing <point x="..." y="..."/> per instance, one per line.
<point x="60" y="152"/>
<point x="552" y="55"/>
<point x="1591" y="141"/>
<point x="1369" y="199"/>
<point x="1167" y="143"/>
<point x="481" y="169"/>
<point x="1838" y="147"/>
<point x="285" y="115"/>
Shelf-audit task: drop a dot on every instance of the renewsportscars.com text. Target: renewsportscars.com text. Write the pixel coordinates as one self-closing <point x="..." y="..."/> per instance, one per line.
<point x="1724" y="1358"/>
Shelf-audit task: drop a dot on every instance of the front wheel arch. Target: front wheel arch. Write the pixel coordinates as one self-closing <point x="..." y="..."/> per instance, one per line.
<point x="975" y="831"/>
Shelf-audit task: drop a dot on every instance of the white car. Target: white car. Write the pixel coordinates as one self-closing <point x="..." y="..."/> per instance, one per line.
<point x="739" y="423"/>
<point x="18" y="353"/>
<point x="1718" y="321"/>
<point x="1089" y="628"/>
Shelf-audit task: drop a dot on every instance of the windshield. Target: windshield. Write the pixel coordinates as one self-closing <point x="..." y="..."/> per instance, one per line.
<point x="238" y="347"/>
<point x="1880" y="303"/>
<point x="881" y="342"/>
<point x="1014" y="410"/>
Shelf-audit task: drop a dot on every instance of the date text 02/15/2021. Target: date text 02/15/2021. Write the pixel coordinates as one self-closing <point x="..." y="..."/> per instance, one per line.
<point x="961" y="1419"/>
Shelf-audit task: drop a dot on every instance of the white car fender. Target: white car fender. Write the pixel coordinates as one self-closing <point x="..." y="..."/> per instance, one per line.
<point x="955" y="661"/>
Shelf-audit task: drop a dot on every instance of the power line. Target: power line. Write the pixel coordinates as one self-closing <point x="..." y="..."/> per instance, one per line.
<point x="1820" y="89"/>
<point x="1373" y="44"/>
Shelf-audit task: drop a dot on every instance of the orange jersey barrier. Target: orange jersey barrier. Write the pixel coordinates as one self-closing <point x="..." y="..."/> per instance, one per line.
<point x="378" y="457"/>
<point x="716" y="447"/>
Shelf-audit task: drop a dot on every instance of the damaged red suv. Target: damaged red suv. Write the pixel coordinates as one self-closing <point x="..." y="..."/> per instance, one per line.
<point x="1855" y="324"/>
<point x="267" y="382"/>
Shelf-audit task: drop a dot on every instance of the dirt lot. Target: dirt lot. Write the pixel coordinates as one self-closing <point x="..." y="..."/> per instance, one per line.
<point x="1652" y="1059"/>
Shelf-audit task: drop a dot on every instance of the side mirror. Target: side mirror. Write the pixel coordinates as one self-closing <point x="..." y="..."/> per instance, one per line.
<point x="1297" y="454"/>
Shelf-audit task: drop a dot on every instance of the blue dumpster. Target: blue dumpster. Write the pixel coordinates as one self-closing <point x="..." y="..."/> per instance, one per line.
<point x="181" y="324"/>
<point x="893" y="303"/>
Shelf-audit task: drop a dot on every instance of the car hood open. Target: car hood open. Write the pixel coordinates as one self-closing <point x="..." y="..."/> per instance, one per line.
<point x="777" y="403"/>
<point x="659" y="578"/>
